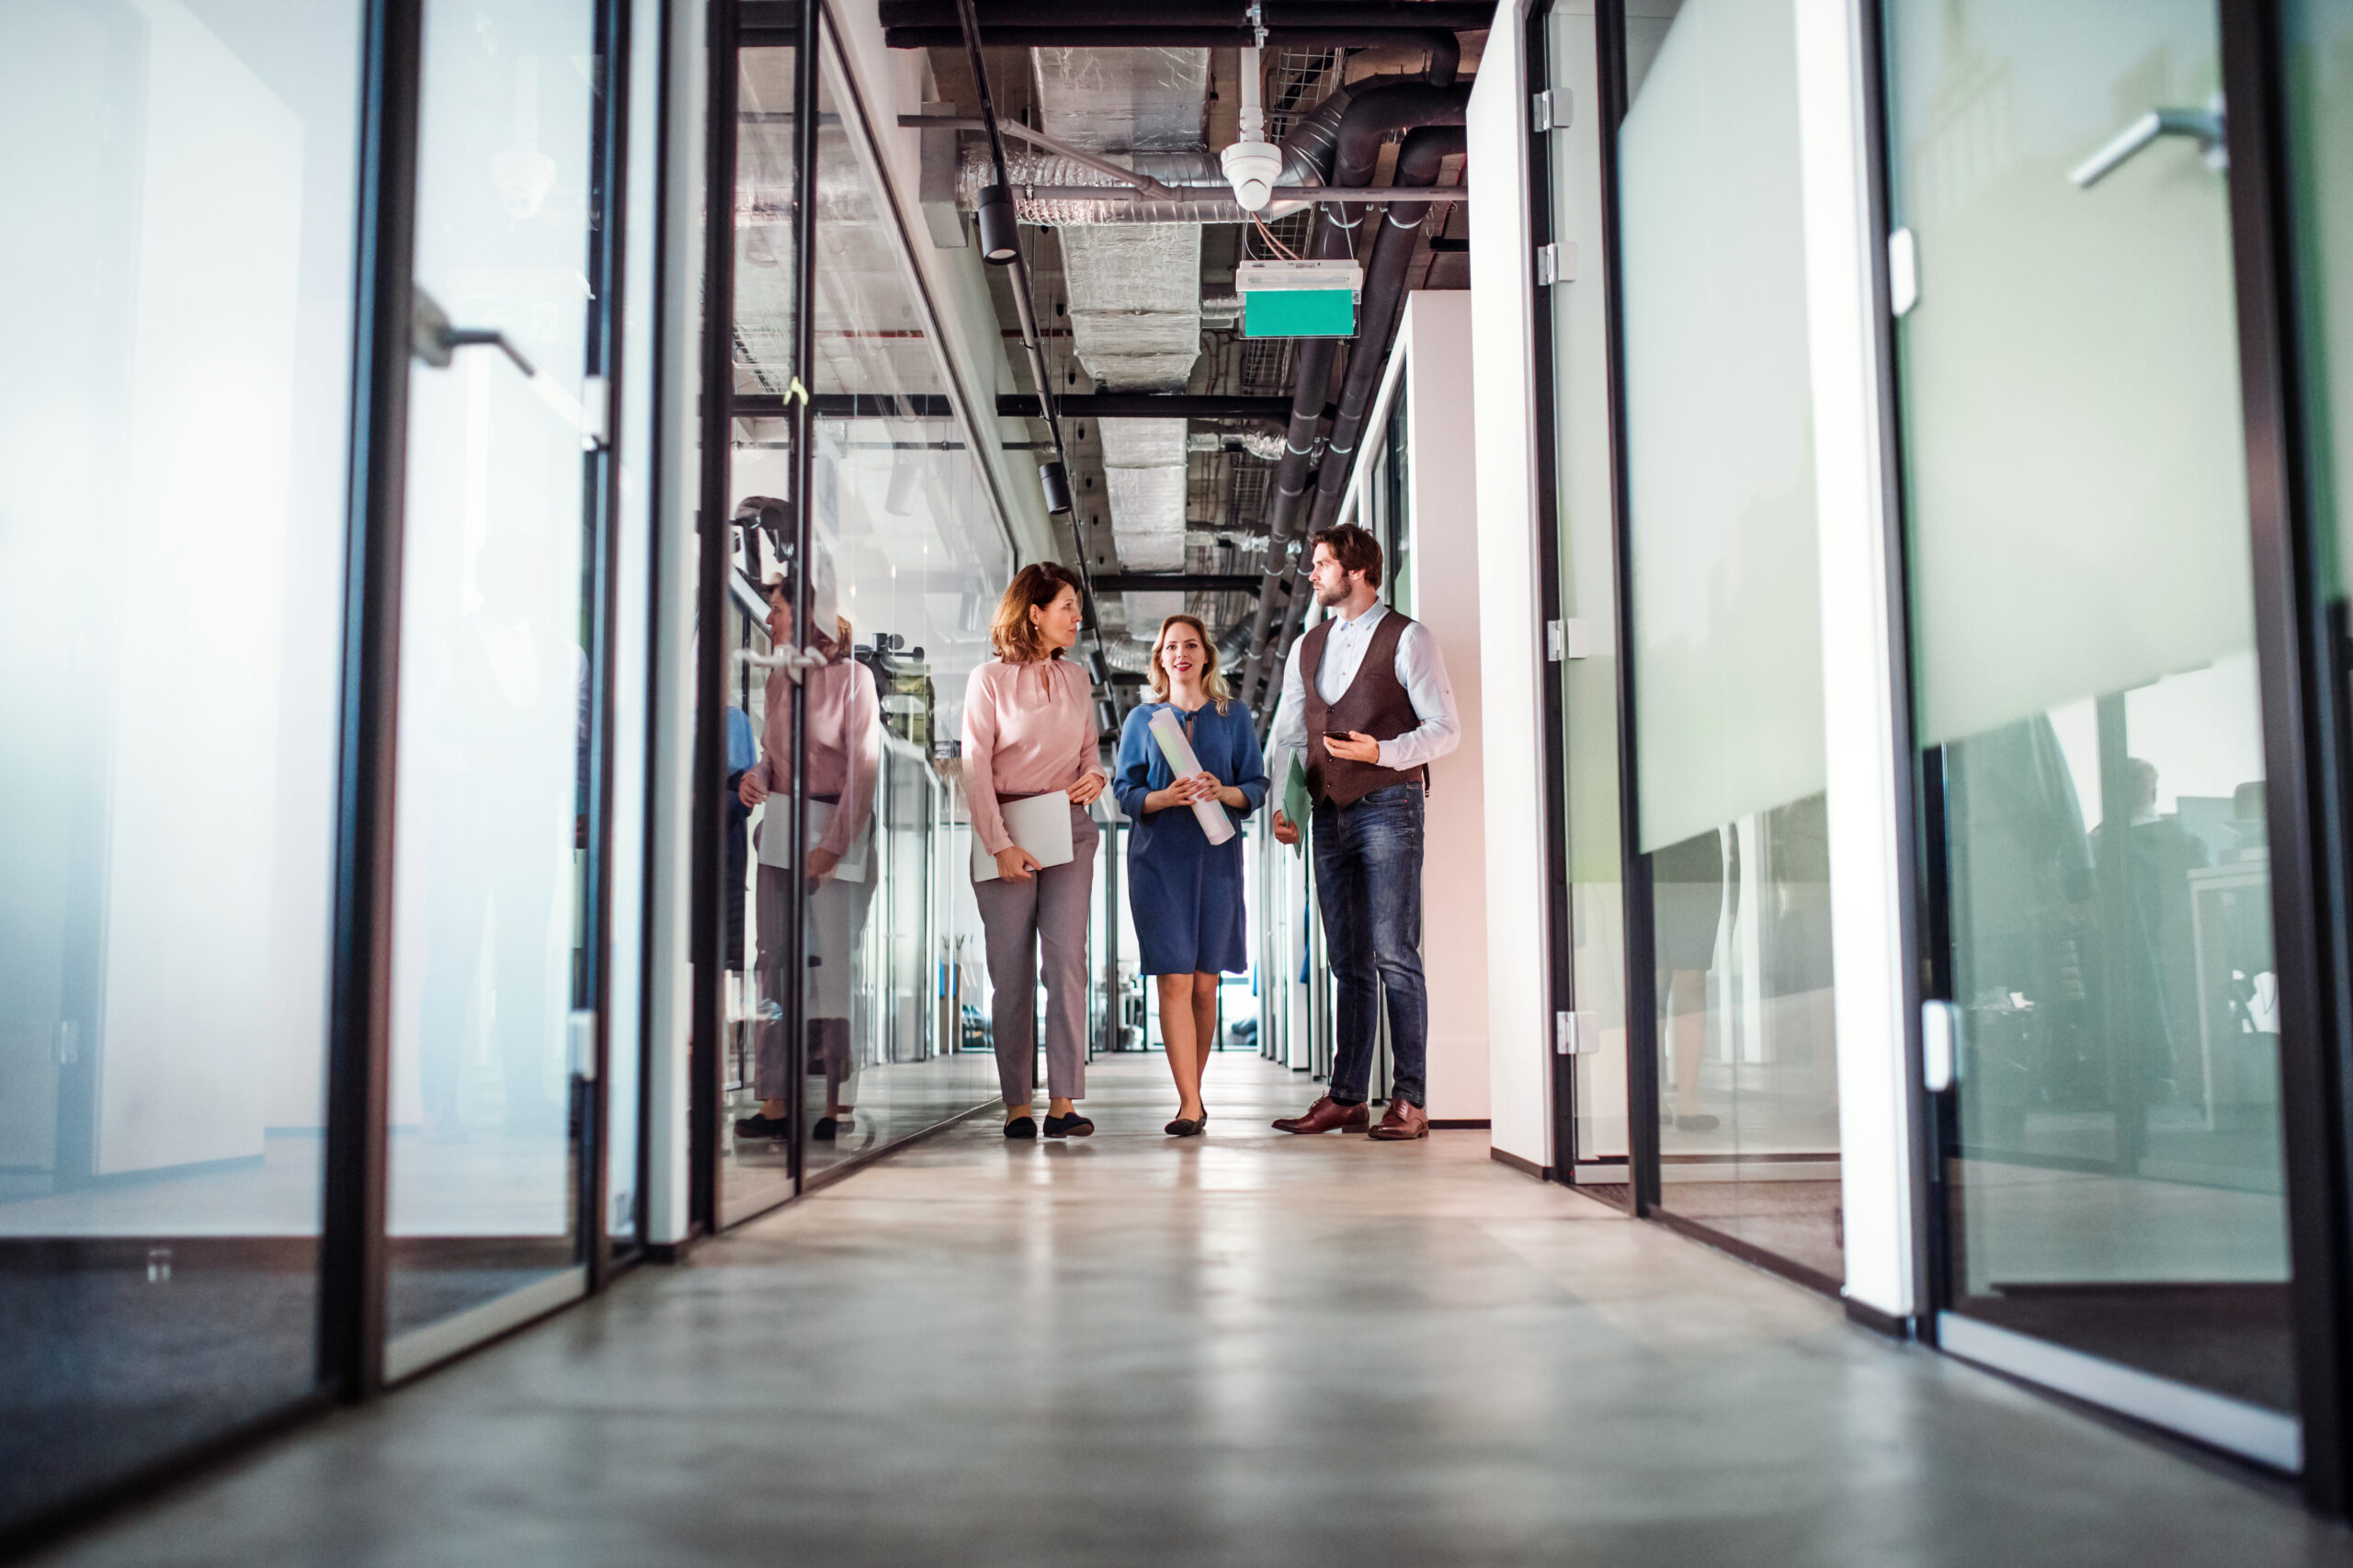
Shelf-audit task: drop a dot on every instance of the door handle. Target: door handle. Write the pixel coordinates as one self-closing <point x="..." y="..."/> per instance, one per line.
<point x="436" y="342"/>
<point x="2206" y="125"/>
<point x="433" y="340"/>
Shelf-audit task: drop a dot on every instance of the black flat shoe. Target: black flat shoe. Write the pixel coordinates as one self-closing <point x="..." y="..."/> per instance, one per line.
<point x="1070" y="1126"/>
<point x="1021" y="1127"/>
<point x="757" y="1126"/>
<point x="825" y="1131"/>
<point x="1185" y="1127"/>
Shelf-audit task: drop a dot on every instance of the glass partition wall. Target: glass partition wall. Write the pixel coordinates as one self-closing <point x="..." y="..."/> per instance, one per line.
<point x="176" y="303"/>
<point x="1722" y="629"/>
<point x="906" y="556"/>
<point x="2083" y="623"/>
<point x="234" y="571"/>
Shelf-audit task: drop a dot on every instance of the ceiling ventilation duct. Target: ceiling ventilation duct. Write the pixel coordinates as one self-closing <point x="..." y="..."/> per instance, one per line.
<point x="1135" y="288"/>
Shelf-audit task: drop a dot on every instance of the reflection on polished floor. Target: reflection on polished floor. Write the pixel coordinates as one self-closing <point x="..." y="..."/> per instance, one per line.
<point x="1245" y="1348"/>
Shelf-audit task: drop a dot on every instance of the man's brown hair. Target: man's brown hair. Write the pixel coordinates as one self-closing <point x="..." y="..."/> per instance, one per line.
<point x="1353" y="547"/>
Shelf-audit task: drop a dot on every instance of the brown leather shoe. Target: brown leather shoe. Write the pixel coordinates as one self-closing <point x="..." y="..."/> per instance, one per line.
<point x="1326" y="1115"/>
<point x="1402" y="1120"/>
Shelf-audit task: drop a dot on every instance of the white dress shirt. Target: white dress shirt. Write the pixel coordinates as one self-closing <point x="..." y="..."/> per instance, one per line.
<point x="1419" y="670"/>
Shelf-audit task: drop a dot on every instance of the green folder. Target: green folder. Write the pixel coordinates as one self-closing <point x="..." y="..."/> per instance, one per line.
<point x="1295" y="804"/>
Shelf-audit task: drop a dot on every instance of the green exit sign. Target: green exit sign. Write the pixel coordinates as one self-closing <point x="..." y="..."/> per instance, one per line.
<point x="1298" y="299"/>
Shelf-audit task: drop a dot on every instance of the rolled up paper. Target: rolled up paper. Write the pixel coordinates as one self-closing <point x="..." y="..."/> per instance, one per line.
<point x="1180" y="753"/>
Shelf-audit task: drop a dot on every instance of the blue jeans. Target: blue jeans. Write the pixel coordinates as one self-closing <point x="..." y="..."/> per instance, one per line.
<point x="1369" y="880"/>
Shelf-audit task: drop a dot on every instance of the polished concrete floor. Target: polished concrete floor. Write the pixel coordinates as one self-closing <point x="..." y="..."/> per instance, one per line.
<point x="1245" y="1349"/>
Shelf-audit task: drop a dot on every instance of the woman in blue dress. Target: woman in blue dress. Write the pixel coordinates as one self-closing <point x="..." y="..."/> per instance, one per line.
<point x="1186" y="893"/>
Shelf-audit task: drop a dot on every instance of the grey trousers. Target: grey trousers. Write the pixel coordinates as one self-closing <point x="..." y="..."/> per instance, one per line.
<point x="1050" y="911"/>
<point x="834" y="919"/>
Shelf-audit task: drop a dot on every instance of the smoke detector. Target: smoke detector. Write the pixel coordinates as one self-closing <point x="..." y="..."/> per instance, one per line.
<point x="1252" y="167"/>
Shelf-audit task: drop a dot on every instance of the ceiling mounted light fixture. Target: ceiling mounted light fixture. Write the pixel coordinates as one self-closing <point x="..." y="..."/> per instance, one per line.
<point x="999" y="235"/>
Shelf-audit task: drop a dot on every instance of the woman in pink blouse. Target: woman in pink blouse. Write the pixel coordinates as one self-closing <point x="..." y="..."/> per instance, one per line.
<point x="1029" y="730"/>
<point x="845" y="721"/>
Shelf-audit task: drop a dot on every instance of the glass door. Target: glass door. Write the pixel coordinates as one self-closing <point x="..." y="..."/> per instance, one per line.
<point x="2086" y="687"/>
<point x="491" y="1022"/>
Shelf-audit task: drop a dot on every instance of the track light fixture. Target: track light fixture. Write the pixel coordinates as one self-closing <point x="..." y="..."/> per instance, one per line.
<point x="999" y="233"/>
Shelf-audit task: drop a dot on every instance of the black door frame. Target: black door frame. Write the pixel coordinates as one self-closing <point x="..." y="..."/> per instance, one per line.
<point x="2300" y="650"/>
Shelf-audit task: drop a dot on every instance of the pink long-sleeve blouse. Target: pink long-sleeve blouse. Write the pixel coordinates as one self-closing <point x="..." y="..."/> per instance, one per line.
<point x="845" y="743"/>
<point x="1028" y="728"/>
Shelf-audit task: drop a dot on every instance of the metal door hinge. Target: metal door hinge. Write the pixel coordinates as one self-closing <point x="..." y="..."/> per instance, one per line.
<point x="1553" y="641"/>
<point x="1577" y="1034"/>
<point x="1549" y="109"/>
<point x="1556" y="262"/>
<point x="1940" y="1046"/>
<point x="1565" y="639"/>
<point x="1902" y="273"/>
<point x="583" y="1032"/>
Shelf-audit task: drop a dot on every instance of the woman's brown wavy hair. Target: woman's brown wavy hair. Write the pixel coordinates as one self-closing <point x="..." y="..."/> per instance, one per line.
<point x="1013" y="634"/>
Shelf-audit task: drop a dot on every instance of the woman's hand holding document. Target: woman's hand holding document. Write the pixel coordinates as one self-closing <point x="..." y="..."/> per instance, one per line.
<point x="1214" y="823"/>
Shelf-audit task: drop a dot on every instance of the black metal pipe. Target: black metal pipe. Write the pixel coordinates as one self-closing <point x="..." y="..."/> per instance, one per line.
<point x="1370" y="117"/>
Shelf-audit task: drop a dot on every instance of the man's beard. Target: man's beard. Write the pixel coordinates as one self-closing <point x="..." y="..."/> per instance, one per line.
<point x="1336" y="595"/>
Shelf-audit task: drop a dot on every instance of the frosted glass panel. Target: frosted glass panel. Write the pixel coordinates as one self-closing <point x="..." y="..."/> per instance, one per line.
<point x="178" y="187"/>
<point x="2078" y="493"/>
<point x="488" y="969"/>
<point x="2320" y="72"/>
<point x="2081" y="606"/>
<point x="1727" y="643"/>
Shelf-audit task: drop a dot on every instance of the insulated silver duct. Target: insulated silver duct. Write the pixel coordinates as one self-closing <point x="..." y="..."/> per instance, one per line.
<point x="1135" y="288"/>
<point x="1306" y="152"/>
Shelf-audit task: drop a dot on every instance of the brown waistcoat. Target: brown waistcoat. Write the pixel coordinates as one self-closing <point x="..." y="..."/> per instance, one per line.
<point x="1375" y="704"/>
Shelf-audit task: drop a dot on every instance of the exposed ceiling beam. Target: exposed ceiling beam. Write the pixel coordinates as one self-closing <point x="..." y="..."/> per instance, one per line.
<point x="1179" y="582"/>
<point x="1171" y="24"/>
<point x="1020" y="405"/>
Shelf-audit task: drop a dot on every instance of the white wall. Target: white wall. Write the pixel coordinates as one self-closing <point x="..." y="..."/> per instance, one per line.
<point x="669" y="977"/>
<point x="1874" y="1111"/>
<point x="1434" y="361"/>
<point x="1501" y="335"/>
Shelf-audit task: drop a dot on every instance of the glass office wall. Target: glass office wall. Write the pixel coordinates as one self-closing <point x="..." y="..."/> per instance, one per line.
<point x="493" y="1019"/>
<point x="907" y="558"/>
<point x="175" y="317"/>
<point x="1723" y="627"/>
<point x="1588" y="667"/>
<point x="2082" y="616"/>
<point x="2320" y="105"/>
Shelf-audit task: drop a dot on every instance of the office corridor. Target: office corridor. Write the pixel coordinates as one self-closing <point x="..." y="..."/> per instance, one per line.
<point x="1247" y="1348"/>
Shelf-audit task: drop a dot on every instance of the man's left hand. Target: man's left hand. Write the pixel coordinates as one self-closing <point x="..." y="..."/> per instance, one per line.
<point x="1356" y="746"/>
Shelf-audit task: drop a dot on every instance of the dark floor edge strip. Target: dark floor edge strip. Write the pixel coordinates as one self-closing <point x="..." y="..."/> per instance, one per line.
<point x="1520" y="1162"/>
<point x="1750" y="1254"/>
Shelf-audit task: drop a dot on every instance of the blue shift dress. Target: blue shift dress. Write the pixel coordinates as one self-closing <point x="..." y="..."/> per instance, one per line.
<point x="1186" y="893"/>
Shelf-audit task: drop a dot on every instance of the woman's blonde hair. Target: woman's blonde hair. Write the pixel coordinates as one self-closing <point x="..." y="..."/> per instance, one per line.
<point x="1212" y="682"/>
<point x="1013" y="634"/>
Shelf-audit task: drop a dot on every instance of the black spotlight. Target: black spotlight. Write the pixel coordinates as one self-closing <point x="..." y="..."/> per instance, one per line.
<point x="998" y="231"/>
<point x="1055" y="479"/>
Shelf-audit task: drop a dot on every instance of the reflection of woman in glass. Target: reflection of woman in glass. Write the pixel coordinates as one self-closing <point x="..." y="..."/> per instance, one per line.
<point x="1030" y="731"/>
<point x="1186" y="893"/>
<point x="845" y="730"/>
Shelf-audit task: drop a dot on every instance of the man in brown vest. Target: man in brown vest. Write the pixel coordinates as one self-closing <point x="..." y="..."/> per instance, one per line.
<point x="1365" y="700"/>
